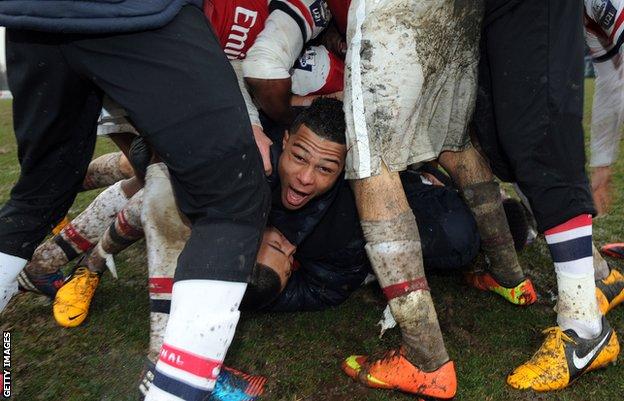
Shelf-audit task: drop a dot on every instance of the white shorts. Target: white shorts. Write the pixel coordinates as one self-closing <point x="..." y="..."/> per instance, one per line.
<point x="113" y="119"/>
<point x="410" y="81"/>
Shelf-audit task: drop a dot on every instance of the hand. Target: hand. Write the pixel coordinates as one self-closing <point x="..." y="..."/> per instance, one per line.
<point x="601" y="188"/>
<point x="264" y="144"/>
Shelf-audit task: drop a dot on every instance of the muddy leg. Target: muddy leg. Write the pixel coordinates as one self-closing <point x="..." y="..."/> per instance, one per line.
<point x="601" y="268"/>
<point x="481" y="193"/>
<point x="123" y="232"/>
<point x="81" y="234"/>
<point x="393" y="247"/>
<point x="165" y="235"/>
<point x="107" y="170"/>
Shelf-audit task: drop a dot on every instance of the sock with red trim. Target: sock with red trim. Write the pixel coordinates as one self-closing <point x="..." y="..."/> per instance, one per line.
<point x="570" y="245"/>
<point x="123" y="232"/>
<point x="196" y="339"/>
<point x="394" y="250"/>
<point x="80" y="235"/>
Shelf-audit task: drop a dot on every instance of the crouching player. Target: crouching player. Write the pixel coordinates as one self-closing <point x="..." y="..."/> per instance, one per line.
<point x="312" y="255"/>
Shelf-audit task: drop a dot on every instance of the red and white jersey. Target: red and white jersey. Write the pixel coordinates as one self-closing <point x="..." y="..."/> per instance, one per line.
<point x="317" y="72"/>
<point x="604" y="27"/>
<point x="339" y="10"/>
<point x="290" y="25"/>
<point x="237" y="23"/>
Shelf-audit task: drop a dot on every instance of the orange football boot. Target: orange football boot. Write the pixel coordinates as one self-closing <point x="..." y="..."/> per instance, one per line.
<point x="395" y="372"/>
<point x="523" y="294"/>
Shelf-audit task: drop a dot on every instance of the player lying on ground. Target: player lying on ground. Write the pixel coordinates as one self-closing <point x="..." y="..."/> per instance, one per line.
<point x="448" y="229"/>
<point x="529" y="123"/>
<point x="346" y="266"/>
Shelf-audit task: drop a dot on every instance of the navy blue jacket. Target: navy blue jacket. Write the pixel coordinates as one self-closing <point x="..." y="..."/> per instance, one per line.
<point x="331" y="261"/>
<point x="89" y="16"/>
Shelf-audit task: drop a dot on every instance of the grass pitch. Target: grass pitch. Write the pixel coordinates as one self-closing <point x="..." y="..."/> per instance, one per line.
<point x="300" y="353"/>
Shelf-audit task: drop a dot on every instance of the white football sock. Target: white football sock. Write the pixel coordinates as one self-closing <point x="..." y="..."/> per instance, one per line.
<point x="203" y="319"/>
<point x="10" y="266"/>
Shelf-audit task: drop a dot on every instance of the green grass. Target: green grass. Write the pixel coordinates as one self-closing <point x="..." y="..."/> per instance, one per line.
<point x="300" y="353"/>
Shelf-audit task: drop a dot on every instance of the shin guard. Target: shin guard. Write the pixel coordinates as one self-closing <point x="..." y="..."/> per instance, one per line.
<point x="570" y="246"/>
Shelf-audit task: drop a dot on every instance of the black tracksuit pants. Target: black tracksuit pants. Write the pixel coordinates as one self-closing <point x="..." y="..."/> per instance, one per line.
<point x="182" y="95"/>
<point x="530" y="103"/>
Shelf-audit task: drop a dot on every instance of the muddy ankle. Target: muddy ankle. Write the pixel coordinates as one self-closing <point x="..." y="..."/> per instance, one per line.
<point x="422" y="337"/>
<point x="425" y="354"/>
<point x="94" y="262"/>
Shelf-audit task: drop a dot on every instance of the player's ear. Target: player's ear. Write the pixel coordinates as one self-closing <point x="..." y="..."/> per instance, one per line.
<point x="285" y="139"/>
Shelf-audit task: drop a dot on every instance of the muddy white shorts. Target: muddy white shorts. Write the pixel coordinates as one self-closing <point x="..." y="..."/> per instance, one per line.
<point x="410" y="81"/>
<point x="113" y="119"/>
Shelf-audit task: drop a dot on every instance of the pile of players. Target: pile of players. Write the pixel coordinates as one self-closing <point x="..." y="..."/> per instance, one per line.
<point x="256" y="188"/>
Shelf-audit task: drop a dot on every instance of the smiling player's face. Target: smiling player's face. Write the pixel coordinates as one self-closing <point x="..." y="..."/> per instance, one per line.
<point x="277" y="253"/>
<point x="309" y="166"/>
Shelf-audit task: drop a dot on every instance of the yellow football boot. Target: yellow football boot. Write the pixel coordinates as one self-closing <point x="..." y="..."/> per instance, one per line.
<point x="563" y="357"/>
<point x="610" y="291"/>
<point x="71" y="305"/>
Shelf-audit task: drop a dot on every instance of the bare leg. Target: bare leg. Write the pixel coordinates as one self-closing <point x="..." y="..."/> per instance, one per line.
<point x="394" y="249"/>
<point x="472" y="174"/>
<point x="104" y="171"/>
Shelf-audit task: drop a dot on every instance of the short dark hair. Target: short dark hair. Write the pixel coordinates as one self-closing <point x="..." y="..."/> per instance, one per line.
<point x="325" y="118"/>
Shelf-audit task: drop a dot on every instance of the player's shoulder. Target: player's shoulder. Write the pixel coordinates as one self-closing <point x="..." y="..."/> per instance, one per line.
<point x="604" y="12"/>
<point x="313" y="14"/>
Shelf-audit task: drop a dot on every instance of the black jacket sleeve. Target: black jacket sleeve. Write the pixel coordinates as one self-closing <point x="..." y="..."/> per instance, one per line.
<point x="324" y="282"/>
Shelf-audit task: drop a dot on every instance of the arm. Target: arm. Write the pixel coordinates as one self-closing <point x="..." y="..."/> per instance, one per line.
<point x="267" y="65"/>
<point x="324" y="282"/>
<point x="273" y="97"/>
<point x="262" y="141"/>
<point x="607" y="113"/>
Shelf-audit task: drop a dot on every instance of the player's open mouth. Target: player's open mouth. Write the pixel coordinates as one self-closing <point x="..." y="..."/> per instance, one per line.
<point x="294" y="197"/>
